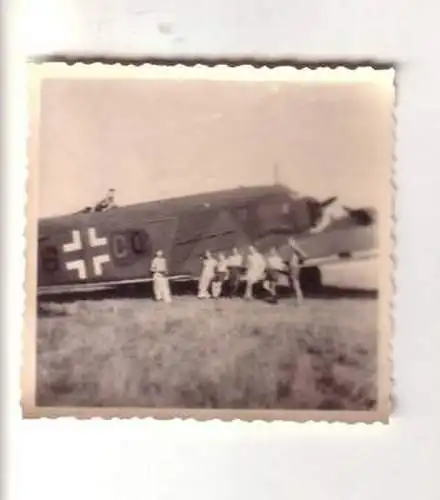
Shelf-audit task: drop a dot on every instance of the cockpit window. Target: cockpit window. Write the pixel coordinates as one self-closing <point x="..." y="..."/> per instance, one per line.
<point x="273" y="212"/>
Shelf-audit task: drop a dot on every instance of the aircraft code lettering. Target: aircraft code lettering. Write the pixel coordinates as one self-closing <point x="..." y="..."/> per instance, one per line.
<point x="49" y="259"/>
<point x="120" y="246"/>
<point x="127" y="246"/>
<point x="140" y="242"/>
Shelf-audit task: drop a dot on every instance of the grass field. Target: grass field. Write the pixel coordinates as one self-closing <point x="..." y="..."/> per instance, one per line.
<point x="208" y="354"/>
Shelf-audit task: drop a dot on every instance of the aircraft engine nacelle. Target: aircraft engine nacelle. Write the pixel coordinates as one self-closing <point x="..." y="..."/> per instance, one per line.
<point x="362" y="216"/>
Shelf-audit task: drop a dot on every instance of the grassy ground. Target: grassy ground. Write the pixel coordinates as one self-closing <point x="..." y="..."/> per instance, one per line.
<point x="209" y="354"/>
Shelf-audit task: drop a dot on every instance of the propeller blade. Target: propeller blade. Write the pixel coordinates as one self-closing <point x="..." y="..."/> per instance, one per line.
<point x="328" y="201"/>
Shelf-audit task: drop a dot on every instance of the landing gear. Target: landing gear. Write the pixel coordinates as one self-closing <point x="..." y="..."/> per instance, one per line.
<point x="310" y="279"/>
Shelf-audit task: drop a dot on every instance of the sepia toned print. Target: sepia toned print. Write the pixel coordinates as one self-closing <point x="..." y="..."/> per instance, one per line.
<point x="209" y="243"/>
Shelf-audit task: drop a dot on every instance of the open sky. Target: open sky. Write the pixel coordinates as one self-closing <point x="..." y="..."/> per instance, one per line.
<point x="150" y="139"/>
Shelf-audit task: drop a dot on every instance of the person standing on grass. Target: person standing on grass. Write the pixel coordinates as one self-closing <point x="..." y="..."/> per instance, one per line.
<point x="207" y="275"/>
<point x="298" y="257"/>
<point x="235" y="263"/>
<point x="221" y="274"/>
<point x="256" y="267"/>
<point x="161" y="286"/>
<point x="275" y="267"/>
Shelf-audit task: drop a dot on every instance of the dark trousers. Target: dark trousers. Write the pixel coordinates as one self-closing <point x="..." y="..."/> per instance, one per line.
<point x="271" y="281"/>
<point x="234" y="280"/>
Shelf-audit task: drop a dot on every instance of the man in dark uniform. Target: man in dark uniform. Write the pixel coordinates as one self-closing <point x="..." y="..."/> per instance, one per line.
<point x="235" y="266"/>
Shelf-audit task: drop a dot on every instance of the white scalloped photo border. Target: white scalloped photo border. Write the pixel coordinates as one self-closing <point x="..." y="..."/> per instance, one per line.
<point x="196" y="71"/>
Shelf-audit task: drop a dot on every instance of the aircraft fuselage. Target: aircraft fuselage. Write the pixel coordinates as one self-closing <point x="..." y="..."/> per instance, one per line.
<point x="117" y="245"/>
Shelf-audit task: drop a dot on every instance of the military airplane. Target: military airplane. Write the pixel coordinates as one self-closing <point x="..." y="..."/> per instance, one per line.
<point x="94" y="249"/>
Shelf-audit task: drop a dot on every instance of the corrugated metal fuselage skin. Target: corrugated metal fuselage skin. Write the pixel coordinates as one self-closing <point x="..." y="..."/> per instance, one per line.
<point x="118" y="245"/>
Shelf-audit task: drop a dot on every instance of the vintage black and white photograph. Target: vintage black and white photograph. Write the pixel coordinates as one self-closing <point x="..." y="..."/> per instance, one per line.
<point x="209" y="242"/>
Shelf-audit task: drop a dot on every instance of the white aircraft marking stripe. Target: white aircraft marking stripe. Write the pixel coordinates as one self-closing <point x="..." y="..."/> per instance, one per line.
<point x="94" y="240"/>
<point x="75" y="244"/>
<point x="79" y="266"/>
<point x="98" y="262"/>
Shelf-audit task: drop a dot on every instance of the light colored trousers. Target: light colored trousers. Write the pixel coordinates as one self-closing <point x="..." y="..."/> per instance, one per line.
<point x="161" y="288"/>
<point x="204" y="283"/>
<point x="252" y="277"/>
<point x="217" y="285"/>
<point x="296" y="284"/>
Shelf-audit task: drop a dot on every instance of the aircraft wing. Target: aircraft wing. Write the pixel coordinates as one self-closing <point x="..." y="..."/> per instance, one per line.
<point x="340" y="244"/>
<point x="44" y="291"/>
<point x="341" y="258"/>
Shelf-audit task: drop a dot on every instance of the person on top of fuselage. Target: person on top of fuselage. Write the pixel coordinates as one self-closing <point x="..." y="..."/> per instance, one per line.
<point x="107" y="203"/>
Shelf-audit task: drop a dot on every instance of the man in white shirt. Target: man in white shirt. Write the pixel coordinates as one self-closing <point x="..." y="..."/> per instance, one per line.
<point x="161" y="286"/>
<point x="275" y="266"/>
<point x="235" y="264"/>
<point x="221" y="274"/>
<point x="207" y="275"/>
<point x="256" y="267"/>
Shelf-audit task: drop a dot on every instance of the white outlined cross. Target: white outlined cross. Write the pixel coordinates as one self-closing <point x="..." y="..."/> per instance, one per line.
<point x="79" y="265"/>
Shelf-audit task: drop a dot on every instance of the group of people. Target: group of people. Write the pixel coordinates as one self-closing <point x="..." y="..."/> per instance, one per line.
<point x="221" y="269"/>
